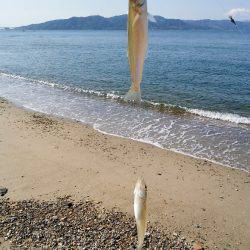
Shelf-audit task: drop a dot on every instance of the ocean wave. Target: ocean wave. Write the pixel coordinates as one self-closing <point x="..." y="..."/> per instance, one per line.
<point x="160" y="107"/>
<point x="229" y="117"/>
<point x="221" y="116"/>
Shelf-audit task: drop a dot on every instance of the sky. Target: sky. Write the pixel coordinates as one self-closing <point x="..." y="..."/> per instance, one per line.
<point x="22" y="12"/>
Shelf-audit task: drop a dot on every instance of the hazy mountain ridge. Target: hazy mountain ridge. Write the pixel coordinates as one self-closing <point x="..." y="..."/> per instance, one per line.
<point x="120" y="23"/>
<point x="4" y="28"/>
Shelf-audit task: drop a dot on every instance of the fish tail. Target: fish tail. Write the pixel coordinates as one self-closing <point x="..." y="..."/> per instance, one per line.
<point x="133" y="96"/>
<point x="141" y="230"/>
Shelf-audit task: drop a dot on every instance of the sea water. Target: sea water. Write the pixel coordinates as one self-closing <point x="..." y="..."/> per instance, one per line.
<point x="196" y="86"/>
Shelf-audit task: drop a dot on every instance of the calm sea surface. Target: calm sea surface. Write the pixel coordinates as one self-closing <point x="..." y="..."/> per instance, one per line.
<point x="196" y="86"/>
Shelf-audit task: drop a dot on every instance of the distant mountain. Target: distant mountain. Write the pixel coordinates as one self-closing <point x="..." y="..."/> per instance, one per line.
<point x="120" y="23"/>
<point x="4" y="28"/>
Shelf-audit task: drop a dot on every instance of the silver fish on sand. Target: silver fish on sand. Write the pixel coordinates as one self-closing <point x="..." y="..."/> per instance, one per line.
<point x="137" y="45"/>
<point x="140" y="210"/>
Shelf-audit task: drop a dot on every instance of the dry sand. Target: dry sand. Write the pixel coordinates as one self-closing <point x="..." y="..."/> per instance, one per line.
<point x="45" y="157"/>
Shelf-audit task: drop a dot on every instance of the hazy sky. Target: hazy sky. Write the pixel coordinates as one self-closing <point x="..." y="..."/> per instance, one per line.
<point x="21" y="12"/>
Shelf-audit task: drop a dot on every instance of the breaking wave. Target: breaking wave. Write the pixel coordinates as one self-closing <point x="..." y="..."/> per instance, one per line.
<point x="160" y="107"/>
<point x="221" y="116"/>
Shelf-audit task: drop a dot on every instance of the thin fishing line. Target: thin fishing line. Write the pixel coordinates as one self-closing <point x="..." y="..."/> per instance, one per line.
<point x="236" y="26"/>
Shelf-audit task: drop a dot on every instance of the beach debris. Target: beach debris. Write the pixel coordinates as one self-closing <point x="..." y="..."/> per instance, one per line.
<point x="47" y="124"/>
<point x="137" y="46"/>
<point x="140" y="210"/>
<point x="197" y="246"/>
<point x="3" y="191"/>
<point x="31" y="224"/>
<point x="68" y="204"/>
<point x="198" y="226"/>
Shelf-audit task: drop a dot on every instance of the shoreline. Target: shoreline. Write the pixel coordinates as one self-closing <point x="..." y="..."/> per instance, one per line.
<point x="189" y="134"/>
<point x="160" y="147"/>
<point x="126" y="138"/>
<point x="58" y="156"/>
<point x="220" y="116"/>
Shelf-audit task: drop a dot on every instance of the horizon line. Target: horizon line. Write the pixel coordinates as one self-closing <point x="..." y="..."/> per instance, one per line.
<point x="107" y="17"/>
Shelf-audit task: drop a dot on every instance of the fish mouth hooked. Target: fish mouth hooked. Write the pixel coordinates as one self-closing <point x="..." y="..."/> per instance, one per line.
<point x="138" y="4"/>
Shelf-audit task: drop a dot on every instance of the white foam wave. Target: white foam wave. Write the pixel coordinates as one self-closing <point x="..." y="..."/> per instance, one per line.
<point x="186" y="134"/>
<point x="221" y="116"/>
<point x="56" y="85"/>
<point x="178" y="151"/>
<point x="229" y="117"/>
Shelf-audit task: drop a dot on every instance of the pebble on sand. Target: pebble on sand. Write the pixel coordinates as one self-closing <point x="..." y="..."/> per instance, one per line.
<point x="197" y="246"/>
<point x="3" y="191"/>
<point x="66" y="224"/>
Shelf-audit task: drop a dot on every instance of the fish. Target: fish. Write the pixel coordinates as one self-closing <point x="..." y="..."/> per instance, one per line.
<point x="137" y="46"/>
<point x="232" y="20"/>
<point x="140" y="210"/>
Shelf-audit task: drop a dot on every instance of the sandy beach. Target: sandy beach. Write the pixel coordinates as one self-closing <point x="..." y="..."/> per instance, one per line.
<point x="44" y="157"/>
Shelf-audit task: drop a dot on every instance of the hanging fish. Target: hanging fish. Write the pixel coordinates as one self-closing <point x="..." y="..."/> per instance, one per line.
<point x="232" y="20"/>
<point x="140" y="210"/>
<point x="137" y="45"/>
<point x="234" y="11"/>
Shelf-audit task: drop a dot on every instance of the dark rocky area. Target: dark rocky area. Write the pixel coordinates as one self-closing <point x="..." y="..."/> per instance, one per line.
<point x="65" y="224"/>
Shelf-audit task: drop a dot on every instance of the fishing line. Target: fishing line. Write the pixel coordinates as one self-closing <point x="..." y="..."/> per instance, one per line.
<point x="236" y="25"/>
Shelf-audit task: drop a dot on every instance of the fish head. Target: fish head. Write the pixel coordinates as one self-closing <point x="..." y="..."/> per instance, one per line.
<point x="140" y="188"/>
<point x="140" y="6"/>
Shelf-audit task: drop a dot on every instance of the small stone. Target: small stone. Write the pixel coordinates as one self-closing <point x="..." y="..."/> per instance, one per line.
<point x="69" y="204"/>
<point x="197" y="246"/>
<point x="31" y="224"/>
<point x="3" y="191"/>
<point x="54" y="218"/>
<point x="198" y="225"/>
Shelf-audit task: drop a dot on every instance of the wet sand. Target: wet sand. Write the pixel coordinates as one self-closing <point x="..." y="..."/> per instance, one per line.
<point x="44" y="157"/>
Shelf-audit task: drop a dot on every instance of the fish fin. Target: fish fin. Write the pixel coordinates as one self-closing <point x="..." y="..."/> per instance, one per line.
<point x="133" y="97"/>
<point x="151" y="18"/>
<point x="137" y="16"/>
